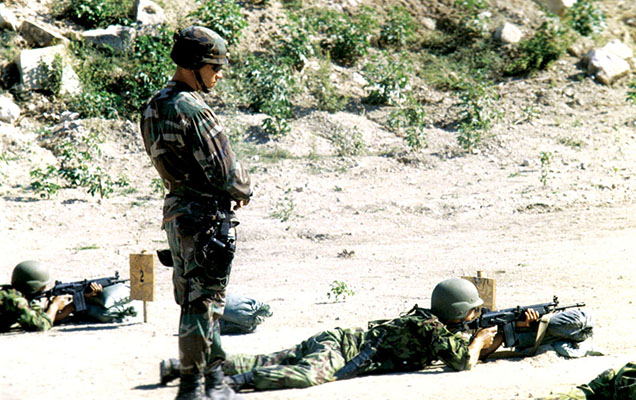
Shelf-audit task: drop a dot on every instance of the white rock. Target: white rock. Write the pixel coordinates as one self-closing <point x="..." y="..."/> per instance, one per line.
<point x="149" y="13"/>
<point x="606" y="66"/>
<point x="40" y="35"/>
<point x="116" y="36"/>
<point x="619" y="49"/>
<point x="508" y="33"/>
<point x="31" y="74"/>
<point x="9" y="111"/>
<point x="8" y="20"/>
<point x="557" y="6"/>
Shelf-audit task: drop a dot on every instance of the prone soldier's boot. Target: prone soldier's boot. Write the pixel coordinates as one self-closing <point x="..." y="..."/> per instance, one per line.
<point x="216" y="387"/>
<point x="241" y="381"/>
<point x="191" y="388"/>
<point x="169" y="370"/>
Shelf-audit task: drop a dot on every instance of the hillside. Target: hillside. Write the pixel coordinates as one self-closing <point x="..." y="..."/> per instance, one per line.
<point x="545" y="204"/>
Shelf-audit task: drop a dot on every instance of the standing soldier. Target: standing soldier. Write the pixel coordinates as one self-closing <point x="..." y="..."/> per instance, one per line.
<point x="187" y="146"/>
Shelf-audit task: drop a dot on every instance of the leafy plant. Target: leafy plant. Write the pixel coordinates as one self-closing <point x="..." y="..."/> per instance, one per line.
<point x="157" y="186"/>
<point x="477" y="115"/>
<point x="631" y="92"/>
<point x="399" y="28"/>
<point x="284" y="209"/>
<point x="324" y="91"/>
<point x="339" y="291"/>
<point x="344" y="38"/>
<point x="348" y="142"/>
<point x="546" y="160"/>
<point x="409" y="120"/>
<point x="294" y="45"/>
<point x="547" y="45"/>
<point x="75" y="168"/>
<point x="222" y="16"/>
<point x="95" y="13"/>
<point x="585" y="17"/>
<point x="388" y="81"/>
<point x="51" y="75"/>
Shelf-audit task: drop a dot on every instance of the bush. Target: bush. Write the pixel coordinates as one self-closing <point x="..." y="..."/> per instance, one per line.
<point x="324" y="91"/>
<point x="51" y="75"/>
<point x="95" y="13"/>
<point x="118" y="84"/>
<point x="409" y="121"/>
<point x="478" y="114"/>
<point x="547" y="45"/>
<point x="345" y="39"/>
<point x="222" y="16"/>
<point x="585" y="17"/>
<point x="294" y="47"/>
<point x="399" y="28"/>
<point x="388" y="80"/>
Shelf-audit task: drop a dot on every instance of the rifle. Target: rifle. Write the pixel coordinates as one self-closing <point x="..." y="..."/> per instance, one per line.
<point x="77" y="289"/>
<point x="506" y="319"/>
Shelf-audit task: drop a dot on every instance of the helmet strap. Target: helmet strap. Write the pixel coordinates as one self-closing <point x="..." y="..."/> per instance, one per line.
<point x="197" y="75"/>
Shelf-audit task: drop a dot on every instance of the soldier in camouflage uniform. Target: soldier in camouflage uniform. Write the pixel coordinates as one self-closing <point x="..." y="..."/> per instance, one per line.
<point x="407" y="343"/>
<point x="187" y="146"/>
<point x="612" y="384"/>
<point x="17" y="307"/>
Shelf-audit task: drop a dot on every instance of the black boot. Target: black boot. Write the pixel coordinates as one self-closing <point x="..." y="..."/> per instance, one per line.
<point x="169" y="371"/>
<point x="191" y="388"/>
<point x="241" y="381"/>
<point x="216" y="388"/>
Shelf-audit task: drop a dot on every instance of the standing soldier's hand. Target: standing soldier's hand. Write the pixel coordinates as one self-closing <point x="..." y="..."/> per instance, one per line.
<point x="240" y="203"/>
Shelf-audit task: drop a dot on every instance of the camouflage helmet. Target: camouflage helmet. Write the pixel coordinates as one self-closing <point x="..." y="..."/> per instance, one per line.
<point x="454" y="298"/>
<point x="29" y="277"/>
<point x="196" y="46"/>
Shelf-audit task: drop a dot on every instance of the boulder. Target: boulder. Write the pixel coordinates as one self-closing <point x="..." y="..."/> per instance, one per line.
<point x="39" y="35"/>
<point x="8" y="20"/>
<point x="115" y="36"/>
<point x="508" y="33"/>
<point x="9" y="111"/>
<point x="606" y="66"/>
<point x="149" y="13"/>
<point x="557" y="6"/>
<point x="31" y="75"/>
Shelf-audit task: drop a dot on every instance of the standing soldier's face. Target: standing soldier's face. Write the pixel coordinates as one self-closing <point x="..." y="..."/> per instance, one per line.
<point x="210" y="74"/>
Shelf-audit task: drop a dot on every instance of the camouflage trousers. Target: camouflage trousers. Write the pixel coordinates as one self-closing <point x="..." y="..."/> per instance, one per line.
<point x="312" y="362"/>
<point x="202" y="305"/>
<point x="613" y="384"/>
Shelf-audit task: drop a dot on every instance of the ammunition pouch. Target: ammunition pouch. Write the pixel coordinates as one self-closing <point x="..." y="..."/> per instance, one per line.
<point x="213" y="246"/>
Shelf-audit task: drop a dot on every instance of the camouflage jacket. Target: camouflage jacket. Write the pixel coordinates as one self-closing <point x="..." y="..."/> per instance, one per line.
<point x="415" y="340"/>
<point x="187" y="146"/>
<point x="16" y="309"/>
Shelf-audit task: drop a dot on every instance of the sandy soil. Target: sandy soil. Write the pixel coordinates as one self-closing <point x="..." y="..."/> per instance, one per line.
<point x="406" y="221"/>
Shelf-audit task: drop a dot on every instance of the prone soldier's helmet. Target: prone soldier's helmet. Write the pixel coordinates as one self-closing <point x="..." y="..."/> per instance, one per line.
<point x="29" y="277"/>
<point x="454" y="298"/>
<point x="196" y="46"/>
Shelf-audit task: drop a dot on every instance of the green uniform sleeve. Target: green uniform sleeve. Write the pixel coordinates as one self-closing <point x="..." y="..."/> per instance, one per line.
<point x="211" y="149"/>
<point x="451" y="349"/>
<point x="30" y="317"/>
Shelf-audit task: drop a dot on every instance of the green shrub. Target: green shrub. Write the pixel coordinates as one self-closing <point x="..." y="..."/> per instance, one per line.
<point x="478" y="114"/>
<point x="294" y="46"/>
<point x="222" y="16"/>
<point x="51" y="75"/>
<point x="344" y="38"/>
<point x="348" y="142"/>
<point x="399" y="28"/>
<point x="118" y="84"/>
<point x="324" y="91"/>
<point x="388" y="80"/>
<point x="75" y="168"/>
<point x="585" y="17"/>
<point x="267" y="87"/>
<point x="409" y="121"/>
<point x="631" y="93"/>
<point x="547" y="45"/>
<point x="95" y="13"/>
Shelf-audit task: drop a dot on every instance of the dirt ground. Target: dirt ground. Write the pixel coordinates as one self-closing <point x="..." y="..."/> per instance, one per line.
<point x="389" y="223"/>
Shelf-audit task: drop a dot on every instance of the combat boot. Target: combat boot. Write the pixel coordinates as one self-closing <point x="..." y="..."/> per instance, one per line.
<point x="241" y="381"/>
<point x="191" y="388"/>
<point x="169" y="371"/>
<point x="216" y="387"/>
